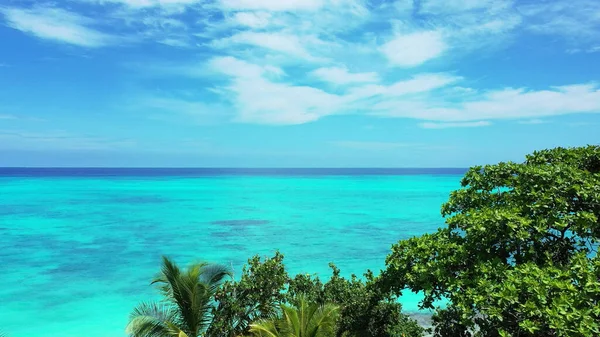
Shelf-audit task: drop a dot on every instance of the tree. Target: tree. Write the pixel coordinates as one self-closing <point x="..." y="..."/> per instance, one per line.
<point x="304" y="320"/>
<point x="518" y="256"/>
<point x="188" y="300"/>
<point x="265" y="285"/>
<point x="255" y="296"/>
<point x="364" y="310"/>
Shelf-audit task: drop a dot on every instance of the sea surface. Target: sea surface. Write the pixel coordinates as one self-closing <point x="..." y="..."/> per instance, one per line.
<point x="78" y="247"/>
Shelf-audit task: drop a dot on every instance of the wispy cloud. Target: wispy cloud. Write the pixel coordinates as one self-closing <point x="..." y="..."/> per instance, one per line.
<point x="258" y="99"/>
<point x="288" y="44"/>
<point x="11" y="117"/>
<point x="341" y="75"/>
<point x="581" y="124"/>
<point x="174" y="42"/>
<point x="409" y="50"/>
<point x="508" y="103"/>
<point x="277" y="64"/>
<point x="533" y="121"/>
<point x="594" y="49"/>
<point x="22" y="139"/>
<point x="273" y="5"/>
<point x="57" y="24"/>
<point x="252" y="19"/>
<point x="429" y="125"/>
<point x="260" y="95"/>
<point x="578" y="21"/>
<point x="168" y="5"/>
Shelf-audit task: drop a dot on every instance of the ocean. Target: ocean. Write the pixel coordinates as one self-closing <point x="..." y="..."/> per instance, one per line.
<point x="78" y="247"/>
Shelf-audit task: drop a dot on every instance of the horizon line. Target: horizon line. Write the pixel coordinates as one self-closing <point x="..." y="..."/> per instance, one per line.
<point x="235" y="167"/>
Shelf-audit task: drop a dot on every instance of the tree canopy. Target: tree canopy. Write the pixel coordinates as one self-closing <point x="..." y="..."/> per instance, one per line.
<point x="518" y="255"/>
<point x="265" y="285"/>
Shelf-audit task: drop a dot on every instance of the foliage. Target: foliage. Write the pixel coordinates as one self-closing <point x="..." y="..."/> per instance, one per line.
<point x="265" y="284"/>
<point x="255" y="296"/>
<point x="305" y="320"/>
<point x="364" y="310"/>
<point x="518" y="256"/>
<point x="188" y="300"/>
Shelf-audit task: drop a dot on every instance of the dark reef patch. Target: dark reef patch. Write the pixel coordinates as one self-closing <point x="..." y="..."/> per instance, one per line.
<point x="140" y="199"/>
<point x="240" y="223"/>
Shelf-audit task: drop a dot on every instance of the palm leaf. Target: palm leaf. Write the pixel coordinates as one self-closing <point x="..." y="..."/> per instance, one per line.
<point x="265" y="329"/>
<point x="188" y="295"/>
<point x="152" y="320"/>
<point x="305" y="320"/>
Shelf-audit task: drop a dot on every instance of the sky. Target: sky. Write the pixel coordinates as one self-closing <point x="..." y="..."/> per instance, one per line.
<point x="295" y="83"/>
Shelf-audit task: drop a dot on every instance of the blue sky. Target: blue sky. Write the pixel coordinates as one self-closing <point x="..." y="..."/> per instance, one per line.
<point x="300" y="83"/>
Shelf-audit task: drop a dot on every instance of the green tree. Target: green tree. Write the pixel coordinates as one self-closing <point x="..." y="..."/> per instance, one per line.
<point x="304" y="320"/>
<point x="265" y="284"/>
<point x="364" y="310"/>
<point x="518" y="256"/>
<point x="255" y="296"/>
<point x="188" y="301"/>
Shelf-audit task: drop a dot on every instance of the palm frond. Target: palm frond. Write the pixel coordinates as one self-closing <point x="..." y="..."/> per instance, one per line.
<point x="265" y="329"/>
<point x="291" y="320"/>
<point x="304" y="320"/>
<point x="215" y="274"/>
<point x="322" y="320"/>
<point x="152" y="320"/>
<point x="189" y="295"/>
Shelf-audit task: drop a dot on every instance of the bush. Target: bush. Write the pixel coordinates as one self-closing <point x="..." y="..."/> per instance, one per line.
<point x="518" y="256"/>
<point x="265" y="284"/>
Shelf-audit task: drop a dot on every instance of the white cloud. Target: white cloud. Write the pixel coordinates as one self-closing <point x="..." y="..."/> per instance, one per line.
<point x="6" y="117"/>
<point x="58" y="25"/>
<point x="273" y="5"/>
<point x="237" y="68"/>
<point x="341" y="75"/>
<point x="289" y="44"/>
<point x="578" y="21"/>
<point x="430" y="125"/>
<point x="499" y="104"/>
<point x="413" y="49"/>
<point x="260" y="100"/>
<point x="533" y="121"/>
<point x="417" y="84"/>
<point x="252" y="19"/>
<point x="170" y="5"/>
<point x="468" y="24"/>
<point x="453" y="7"/>
<point x="305" y="37"/>
<point x="174" y="42"/>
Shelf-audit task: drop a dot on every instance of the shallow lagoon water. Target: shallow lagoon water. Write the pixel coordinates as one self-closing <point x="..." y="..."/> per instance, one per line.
<point x="78" y="250"/>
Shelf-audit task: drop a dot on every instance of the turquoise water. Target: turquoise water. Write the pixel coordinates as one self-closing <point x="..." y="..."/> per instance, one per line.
<point x="77" y="253"/>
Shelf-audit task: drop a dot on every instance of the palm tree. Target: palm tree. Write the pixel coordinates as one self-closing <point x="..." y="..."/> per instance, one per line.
<point x="188" y="299"/>
<point x="305" y="320"/>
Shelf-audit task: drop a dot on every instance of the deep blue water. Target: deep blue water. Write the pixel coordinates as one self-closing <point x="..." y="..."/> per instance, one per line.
<point x="200" y="172"/>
